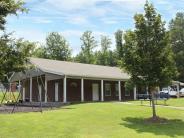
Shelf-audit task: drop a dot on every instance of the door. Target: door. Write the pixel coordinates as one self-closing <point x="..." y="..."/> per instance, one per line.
<point x="95" y="91"/>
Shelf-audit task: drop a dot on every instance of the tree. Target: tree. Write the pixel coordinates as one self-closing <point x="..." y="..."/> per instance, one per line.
<point x="13" y="55"/>
<point x="147" y="54"/>
<point x="26" y="47"/>
<point x="57" y="47"/>
<point x="88" y="44"/>
<point x="105" y="43"/>
<point x="103" y="56"/>
<point x="40" y="52"/>
<point x="119" y="43"/>
<point x="8" y="7"/>
<point x="177" y="41"/>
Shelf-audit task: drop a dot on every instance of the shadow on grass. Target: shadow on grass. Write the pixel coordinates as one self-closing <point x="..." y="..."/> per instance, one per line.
<point x="67" y="108"/>
<point x="173" y="127"/>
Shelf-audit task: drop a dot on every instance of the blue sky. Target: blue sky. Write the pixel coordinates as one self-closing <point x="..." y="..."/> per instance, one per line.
<point x="72" y="17"/>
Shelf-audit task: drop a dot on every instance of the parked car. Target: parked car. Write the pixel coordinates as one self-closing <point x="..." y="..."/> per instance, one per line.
<point x="182" y="92"/>
<point x="170" y="91"/>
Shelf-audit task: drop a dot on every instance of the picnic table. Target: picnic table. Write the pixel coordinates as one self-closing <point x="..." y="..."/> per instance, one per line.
<point x="157" y="96"/>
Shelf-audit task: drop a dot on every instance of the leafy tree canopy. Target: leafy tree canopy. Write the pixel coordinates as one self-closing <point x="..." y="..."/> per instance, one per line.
<point x="12" y="52"/>
<point x="8" y="7"/>
<point x="119" y="43"/>
<point x="88" y="44"/>
<point x="57" y="47"/>
<point x="147" y="54"/>
<point x="105" y="56"/>
<point x="13" y="55"/>
<point x="177" y="41"/>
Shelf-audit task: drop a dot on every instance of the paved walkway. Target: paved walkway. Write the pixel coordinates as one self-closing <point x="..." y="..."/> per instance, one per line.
<point x="174" y="107"/>
<point x="165" y="106"/>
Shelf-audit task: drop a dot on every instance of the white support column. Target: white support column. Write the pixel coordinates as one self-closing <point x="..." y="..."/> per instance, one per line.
<point x="45" y="90"/>
<point x="82" y="90"/>
<point x="31" y="88"/>
<point x="40" y="92"/>
<point x="102" y="91"/>
<point x="135" y="93"/>
<point x="64" y="90"/>
<point x="23" y="94"/>
<point x="119" y="90"/>
<point x="56" y="92"/>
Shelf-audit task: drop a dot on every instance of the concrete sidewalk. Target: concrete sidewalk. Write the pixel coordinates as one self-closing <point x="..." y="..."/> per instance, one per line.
<point x="165" y="106"/>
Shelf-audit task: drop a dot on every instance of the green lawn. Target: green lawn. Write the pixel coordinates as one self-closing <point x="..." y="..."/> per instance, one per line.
<point x="93" y="120"/>
<point x="9" y="96"/>
<point x="179" y="102"/>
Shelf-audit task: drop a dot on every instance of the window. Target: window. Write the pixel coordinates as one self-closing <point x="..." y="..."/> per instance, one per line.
<point x="107" y="89"/>
<point x="117" y="89"/>
<point x="73" y="84"/>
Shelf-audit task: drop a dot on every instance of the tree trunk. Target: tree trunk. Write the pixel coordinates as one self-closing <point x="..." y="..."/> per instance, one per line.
<point x="153" y="103"/>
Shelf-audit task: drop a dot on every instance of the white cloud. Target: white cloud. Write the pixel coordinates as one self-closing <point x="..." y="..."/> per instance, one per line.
<point x="30" y="34"/>
<point x="76" y="19"/>
<point x="42" y="21"/>
<point x="80" y="11"/>
<point x="109" y="21"/>
<point x="69" y="5"/>
<point x="130" y="5"/>
<point x="72" y="33"/>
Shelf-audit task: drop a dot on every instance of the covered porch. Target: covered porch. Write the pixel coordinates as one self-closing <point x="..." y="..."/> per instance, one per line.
<point x="58" y="88"/>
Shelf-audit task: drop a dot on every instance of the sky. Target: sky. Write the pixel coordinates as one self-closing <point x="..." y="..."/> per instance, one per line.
<point x="72" y="17"/>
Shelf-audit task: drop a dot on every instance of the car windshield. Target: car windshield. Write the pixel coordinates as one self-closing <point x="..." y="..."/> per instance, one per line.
<point x="166" y="89"/>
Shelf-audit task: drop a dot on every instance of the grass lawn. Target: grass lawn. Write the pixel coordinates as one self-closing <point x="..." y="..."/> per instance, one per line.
<point x="171" y="102"/>
<point x="9" y="96"/>
<point x="93" y="120"/>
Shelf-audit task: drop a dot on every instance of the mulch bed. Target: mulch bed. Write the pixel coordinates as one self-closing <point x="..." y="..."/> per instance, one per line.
<point x="156" y="120"/>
